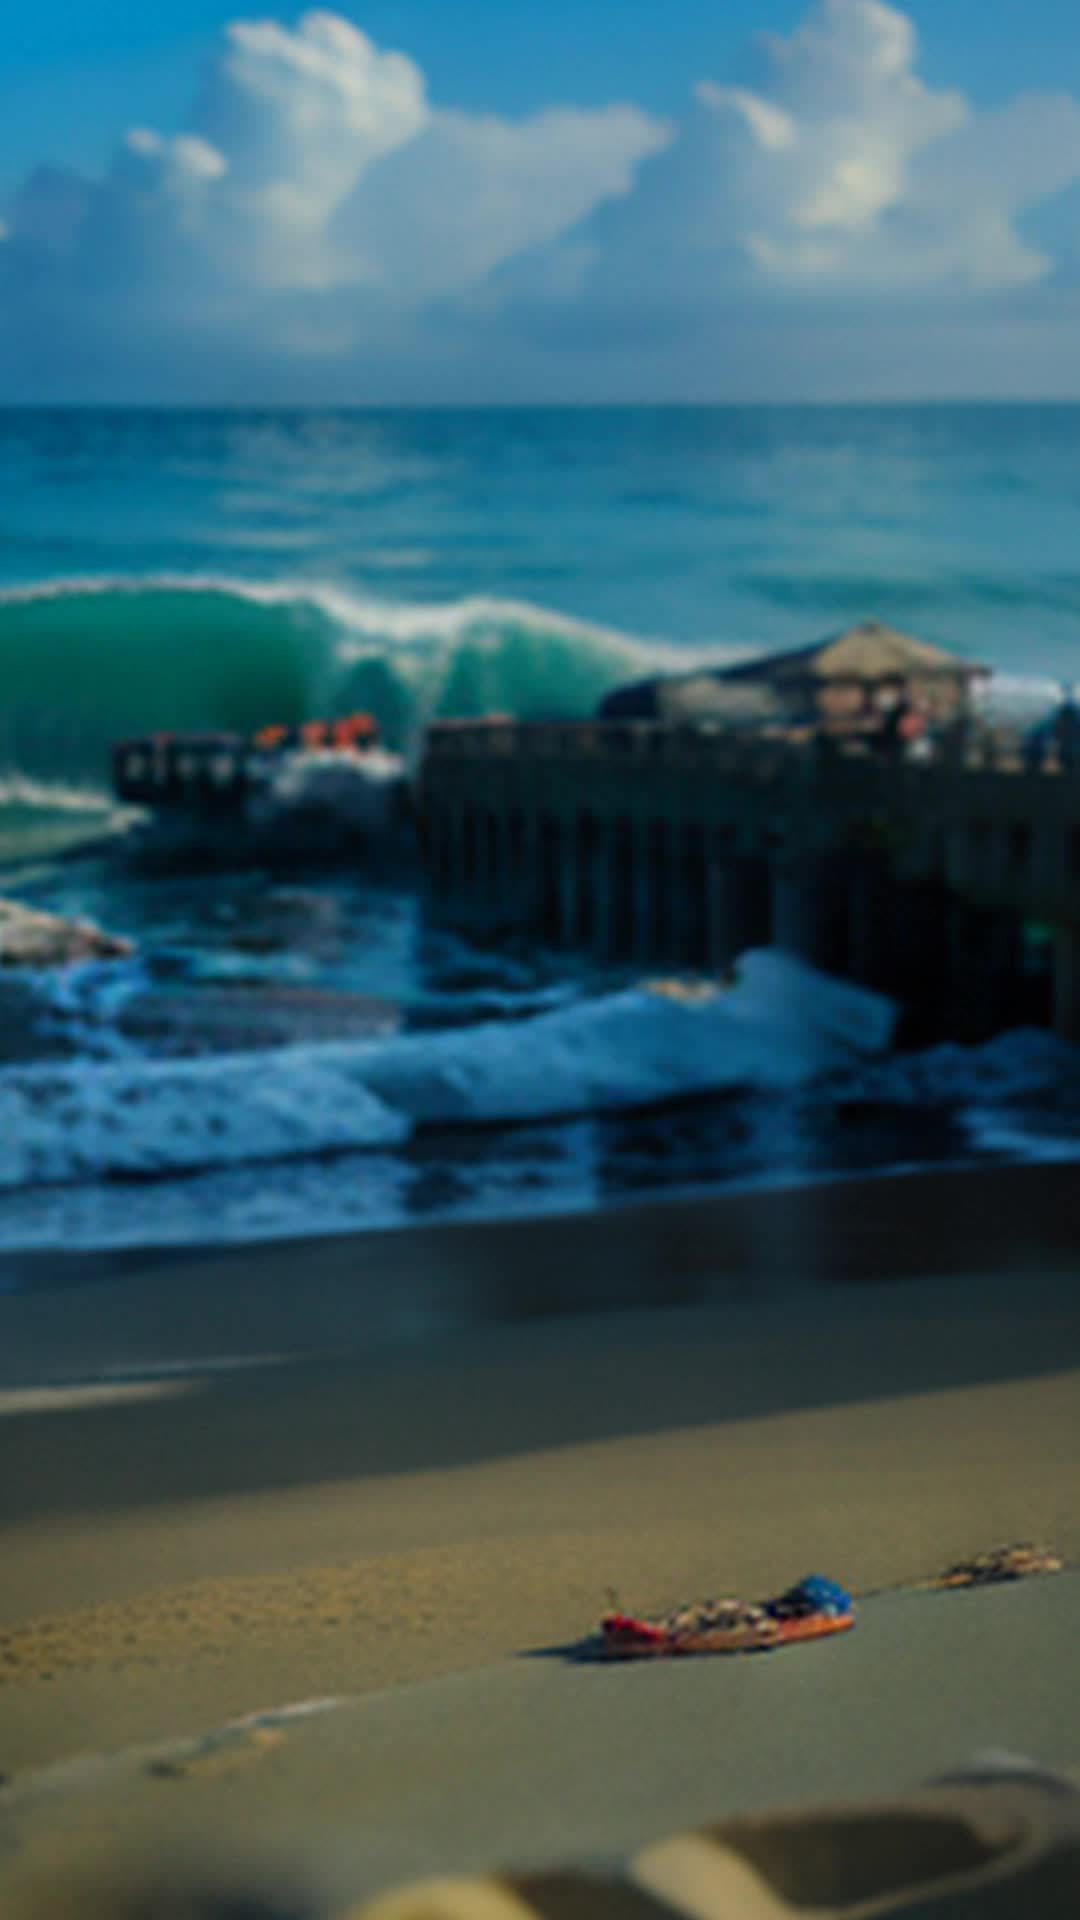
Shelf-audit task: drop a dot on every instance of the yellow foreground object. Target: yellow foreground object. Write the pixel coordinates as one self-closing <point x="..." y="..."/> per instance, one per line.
<point x="555" y="1895"/>
<point x="486" y="1897"/>
<point x="1000" y="1847"/>
<point x="1004" y="1849"/>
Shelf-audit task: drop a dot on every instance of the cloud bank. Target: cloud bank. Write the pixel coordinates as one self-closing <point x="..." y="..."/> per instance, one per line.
<point x="322" y="230"/>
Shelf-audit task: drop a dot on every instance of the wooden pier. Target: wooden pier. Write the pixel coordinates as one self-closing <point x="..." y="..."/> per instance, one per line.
<point x="953" y="886"/>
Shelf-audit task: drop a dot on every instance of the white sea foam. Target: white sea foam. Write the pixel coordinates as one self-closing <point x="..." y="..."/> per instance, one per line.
<point x="780" y="1026"/>
<point x="367" y="621"/>
<point x="97" y="1119"/>
<point x="347" y="793"/>
<point x="80" y="1002"/>
<point x="992" y="1131"/>
<point x="47" y="796"/>
<point x="310" y="1198"/>
<point x="1006" y="1096"/>
<point x="1024" y="1062"/>
<point x="362" y="617"/>
<point x="419" y="639"/>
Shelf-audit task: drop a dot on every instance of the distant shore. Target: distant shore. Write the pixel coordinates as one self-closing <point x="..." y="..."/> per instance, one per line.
<point x="866" y="1379"/>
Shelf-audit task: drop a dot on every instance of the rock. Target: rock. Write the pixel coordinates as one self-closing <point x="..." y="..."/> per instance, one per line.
<point x="29" y="938"/>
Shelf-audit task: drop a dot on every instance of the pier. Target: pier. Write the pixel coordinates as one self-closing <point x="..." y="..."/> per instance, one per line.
<point x="952" y="884"/>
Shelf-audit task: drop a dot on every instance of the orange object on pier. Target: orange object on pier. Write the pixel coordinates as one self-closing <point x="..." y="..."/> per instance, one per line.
<point x="354" y="730"/>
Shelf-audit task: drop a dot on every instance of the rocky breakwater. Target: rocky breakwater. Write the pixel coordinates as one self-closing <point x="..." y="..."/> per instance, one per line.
<point x="32" y="946"/>
<point x="29" y="938"/>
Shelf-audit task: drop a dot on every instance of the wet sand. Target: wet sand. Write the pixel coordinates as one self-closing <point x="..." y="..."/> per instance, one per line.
<point x="152" y="1308"/>
<point x="405" y="1523"/>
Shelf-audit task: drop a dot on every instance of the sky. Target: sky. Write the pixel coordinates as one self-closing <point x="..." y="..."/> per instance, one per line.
<point x="621" y="201"/>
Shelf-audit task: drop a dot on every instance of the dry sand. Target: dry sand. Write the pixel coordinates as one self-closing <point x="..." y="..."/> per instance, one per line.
<point x="402" y="1524"/>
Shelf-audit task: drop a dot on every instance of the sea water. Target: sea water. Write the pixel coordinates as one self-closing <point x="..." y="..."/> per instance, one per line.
<point x="185" y="569"/>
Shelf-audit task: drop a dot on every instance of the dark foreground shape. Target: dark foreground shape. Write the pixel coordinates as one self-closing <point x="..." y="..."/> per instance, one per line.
<point x="996" y="1843"/>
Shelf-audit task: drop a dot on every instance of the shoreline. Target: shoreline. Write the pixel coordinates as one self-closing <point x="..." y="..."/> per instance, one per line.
<point x="139" y="1313"/>
<point x="429" y="1143"/>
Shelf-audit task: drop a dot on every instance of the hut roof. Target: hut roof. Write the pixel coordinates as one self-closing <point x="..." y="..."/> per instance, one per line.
<point x="778" y="685"/>
<point x="867" y="652"/>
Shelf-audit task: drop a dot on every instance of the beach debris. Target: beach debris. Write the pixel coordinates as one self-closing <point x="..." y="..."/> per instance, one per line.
<point x="221" y="1752"/>
<point x="688" y="993"/>
<point x="1014" y="1562"/>
<point x="813" y="1608"/>
<point x="221" y="1749"/>
<point x="809" y="1610"/>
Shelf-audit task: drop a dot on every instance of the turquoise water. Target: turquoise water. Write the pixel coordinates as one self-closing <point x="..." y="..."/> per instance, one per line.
<point x="171" y="569"/>
<point x="162" y="570"/>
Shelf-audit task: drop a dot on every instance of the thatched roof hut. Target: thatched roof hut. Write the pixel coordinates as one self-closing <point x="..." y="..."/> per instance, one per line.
<point x="843" y="684"/>
<point x="869" y="654"/>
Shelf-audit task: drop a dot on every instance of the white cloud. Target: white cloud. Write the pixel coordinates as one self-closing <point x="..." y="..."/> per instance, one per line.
<point x="310" y="107"/>
<point x="843" y="173"/>
<point x="319" y="219"/>
<point x="289" y="121"/>
<point x="858" y="115"/>
<point x="470" y="192"/>
<point x="300" y="117"/>
<point x="314" y="169"/>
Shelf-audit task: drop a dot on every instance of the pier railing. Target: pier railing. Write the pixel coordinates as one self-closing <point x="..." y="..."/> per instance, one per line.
<point x="727" y="750"/>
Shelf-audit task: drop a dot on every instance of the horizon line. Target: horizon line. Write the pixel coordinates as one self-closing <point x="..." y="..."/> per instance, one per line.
<point x="879" y="404"/>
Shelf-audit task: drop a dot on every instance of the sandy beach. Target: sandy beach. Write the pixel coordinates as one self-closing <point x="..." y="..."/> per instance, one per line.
<point x="867" y="1380"/>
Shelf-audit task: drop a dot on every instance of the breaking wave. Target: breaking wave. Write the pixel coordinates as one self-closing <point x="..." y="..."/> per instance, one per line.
<point x="781" y="1026"/>
<point x="367" y="1132"/>
<point x="86" y="661"/>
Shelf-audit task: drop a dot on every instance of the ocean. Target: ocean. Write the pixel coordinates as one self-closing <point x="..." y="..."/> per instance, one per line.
<point x="310" y="1051"/>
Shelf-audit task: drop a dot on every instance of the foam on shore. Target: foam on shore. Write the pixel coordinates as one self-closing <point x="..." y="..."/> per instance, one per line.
<point x="781" y="1025"/>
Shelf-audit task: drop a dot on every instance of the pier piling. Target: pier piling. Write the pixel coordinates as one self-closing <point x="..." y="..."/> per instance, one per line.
<point x="955" y="887"/>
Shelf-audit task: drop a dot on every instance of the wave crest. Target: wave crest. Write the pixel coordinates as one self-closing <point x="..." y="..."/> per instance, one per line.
<point x="86" y="661"/>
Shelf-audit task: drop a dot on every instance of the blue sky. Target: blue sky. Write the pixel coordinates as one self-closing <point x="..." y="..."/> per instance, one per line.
<point x="74" y="74"/>
<point x="706" y="199"/>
